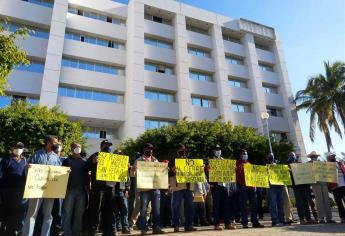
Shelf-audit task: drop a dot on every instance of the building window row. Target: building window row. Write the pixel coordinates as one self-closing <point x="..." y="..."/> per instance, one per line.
<point x="45" y="3"/>
<point x="274" y="111"/>
<point x="89" y="94"/>
<point x="158" y="43"/>
<point x="198" y="52"/>
<point x="233" y="59"/>
<point x="270" y="89"/>
<point x="262" y="47"/>
<point x="241" y="107"/>
<point x="197" y="29"/>
<point x="100" y="133"/>
<point x="154" y="124"/>
<point x="159" y="96"/>
<point x="157" y="19"/>
<point x="7" y="100"/>
<point x="203" y="102"/>
<point x="231" y="39"/>
<point x="237" y="83"/>
<point x="34" y="66"/>
<point x="196" y="75"/>
<point x="91" y="66"/>
<point x="33" y="31"/>
<point x="159" y="68"/>
<point x="94" y="40"/>
<point x="266" y="67"/>
<point x="96" y="16"/>
<point x="278" y="136"/>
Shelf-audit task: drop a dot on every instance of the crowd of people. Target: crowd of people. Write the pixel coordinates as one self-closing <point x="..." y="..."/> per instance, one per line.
<point x="91" y="206"/>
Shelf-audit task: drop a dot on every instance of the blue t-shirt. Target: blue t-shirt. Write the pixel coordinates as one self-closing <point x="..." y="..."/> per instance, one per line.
<point x="45" y="158"/>
<point x="12" y="173"/>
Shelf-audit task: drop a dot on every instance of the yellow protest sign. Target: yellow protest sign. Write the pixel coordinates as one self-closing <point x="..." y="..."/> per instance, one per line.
<point x="45" y="181"/>
<point x="302" y="173"/>
<point x="112" y="167"/>
<point x="222" y="170"/>
<point x="279" y="175"/>
<point x="189" y="170"/>
<point x="152" y="175"/>
<point x="325" y="172"/>
<point x="256" y="176"/>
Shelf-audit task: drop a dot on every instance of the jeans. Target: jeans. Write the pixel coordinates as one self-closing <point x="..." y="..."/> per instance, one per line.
<point x="339" y="197"/>
<point x="96" y="204"/>
<point x="165" y="208"/>
<point x="34" y="206"/>
<point x="57" y="211"/>
<point x="199" y="213"/>
<point x="187" y="196"/>
<point x="301" y="195"/>
<point x="245" y="195"/>
<point x="123" y="208"/>
<point x="73" y="209"/>
<point x="276" y="194"/>
<point x="145" y="198"/>
<point x="221" y="209"/>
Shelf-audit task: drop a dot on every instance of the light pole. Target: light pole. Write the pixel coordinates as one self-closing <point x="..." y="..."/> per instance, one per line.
<point x="265" y="116"/>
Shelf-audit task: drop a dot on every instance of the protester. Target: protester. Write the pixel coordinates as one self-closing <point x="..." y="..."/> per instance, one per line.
<point x="181" y="192"/>
<point x="78" y="183"/>
<point x="246" y="193"/>
<point x="320" y="189"/>
<point x="45" y="156"/>
<point x="338" y="189"/>
<point x="12" y="183"/>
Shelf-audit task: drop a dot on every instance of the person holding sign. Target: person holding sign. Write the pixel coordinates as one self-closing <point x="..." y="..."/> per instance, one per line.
<point x="246" y="193"/>
<point x="148" y="195"/>
<point x="181" y="191"/>
<point x="220" y="197"/>
<point x="12" y="183"/>
<point x="45" y="156"/>
<point x="338" y="189"/>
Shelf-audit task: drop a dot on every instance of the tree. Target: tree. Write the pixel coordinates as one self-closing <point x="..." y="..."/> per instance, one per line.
<point x="11" y="54"/>
<point x="29" y="124"/>
<point x="324" y="99"/>
<point x="200" y="136"/>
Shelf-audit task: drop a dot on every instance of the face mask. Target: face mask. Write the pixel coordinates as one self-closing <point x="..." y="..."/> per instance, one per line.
<point x="245" y="156"/>
<point x="107" y="149"/>
<point x="77" y="150"/>
<point x="59" y="148"/>
<point x="292" y="158"/>
<point x="218" y="153"/>
<point x="18" y="151"/>
<point x="148" y="153"/>
<point x="181" y="153"/>
<point x="55" y="147"/>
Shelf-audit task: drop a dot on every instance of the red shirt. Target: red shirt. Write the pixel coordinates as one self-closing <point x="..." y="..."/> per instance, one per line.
<point x="240" y="172"/>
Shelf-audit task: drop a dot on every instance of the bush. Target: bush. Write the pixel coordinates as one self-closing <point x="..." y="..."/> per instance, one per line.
<point x="200" y="136"/>
<point x="29" y="124"/>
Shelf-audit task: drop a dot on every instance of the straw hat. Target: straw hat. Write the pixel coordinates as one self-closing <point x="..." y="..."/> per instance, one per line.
<point x="313" y="153"/>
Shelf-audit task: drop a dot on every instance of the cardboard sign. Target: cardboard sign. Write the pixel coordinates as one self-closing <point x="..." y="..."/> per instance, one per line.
<point x="256" y="176"/>
<point x="279" y="175"/>
<point x="222" y="170"/>
<point x="303" y="173"/>
<point x="112" y="167"/>
<point x="152" y="175"/>
<point x="189" y="170"/>
<point x="325" y="172"/>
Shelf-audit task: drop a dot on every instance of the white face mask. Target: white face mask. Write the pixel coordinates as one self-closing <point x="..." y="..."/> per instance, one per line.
<point x="218" y="153"/>
<point x="245" y="156"/>
<point x="77" y="150"/>
<point x="18" y="151"/>
<point x="60" y="148"/>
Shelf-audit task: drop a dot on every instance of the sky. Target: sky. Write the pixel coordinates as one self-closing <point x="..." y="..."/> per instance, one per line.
<point x="311" y="31"/>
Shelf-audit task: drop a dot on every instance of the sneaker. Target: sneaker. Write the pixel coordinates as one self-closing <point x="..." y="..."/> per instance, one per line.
<point x="331" y="222"/>
<point x="230" y="226"/>
<point x="303" y="222"/>
<point x="258" y="225"/>
<point x="126" y="231"/>
<point x="191" y="229"/>
<point x="218" y="227"/>
<point x="143" y="232"/>
<point x="157" y="231"/>
<point x="176" y="229"/>
<point x="322" y="222"/>
<point x="114" y="233"/>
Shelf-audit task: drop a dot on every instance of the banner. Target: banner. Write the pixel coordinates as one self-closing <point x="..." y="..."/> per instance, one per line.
<point x="325" y="172"/>
<point x="112" y="167"/>
<point x="189" y="170"/>
<point x="45" y="181"/>
<point x="302" y="173"/>
<point x="279" y="175"/>
<point x="222" y="170"/>
<point x="152" y="175"/>
<point x="256" y="176"/>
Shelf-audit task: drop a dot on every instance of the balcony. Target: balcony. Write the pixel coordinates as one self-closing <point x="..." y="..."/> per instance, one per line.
<point x="163" y="30"/>
<point x="159" y="109"/>
<point x="280" y="124"/>
<point x="241" y="94"/>
<point x="265" y="56"/>
<point x="160" y="80"/>
<point x="274" y="100"/>
<point x="25" y="82"/>
<point x="238" y="70"/>
<point x="245" y="119"/>
<point x="234" y="48"/>
<point x="203" y="113"/>
<point x="270" y="77"/>
<point x="160" y="54"/>
<point x="35" y="47"/>
<point x="199" y="39"/>
<point x="201" y="63"/>
<point x="204" y="88"/>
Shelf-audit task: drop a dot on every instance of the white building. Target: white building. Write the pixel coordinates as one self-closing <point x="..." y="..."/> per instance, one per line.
<point x="122" y="69"/>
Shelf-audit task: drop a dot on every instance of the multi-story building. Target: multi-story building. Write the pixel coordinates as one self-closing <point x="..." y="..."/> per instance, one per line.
<point x="122" y="69"/>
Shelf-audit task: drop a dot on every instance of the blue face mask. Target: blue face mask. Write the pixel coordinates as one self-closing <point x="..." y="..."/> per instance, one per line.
<point x="245" y="156"/>
<point x="107" y="149"/>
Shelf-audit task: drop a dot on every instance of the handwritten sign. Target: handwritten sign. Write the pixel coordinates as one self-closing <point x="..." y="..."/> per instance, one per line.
<point x="256" y="176"/>
<point x="44" y="181"/>
<point x="222" y="170"/>
<point x="279" y="175"/>
<point x="325" y="172"/>
<point x="189" y="170"/>
<point x="112" y="167"/>
<point x="152" y="175"/>
<point x="303" y="173"/>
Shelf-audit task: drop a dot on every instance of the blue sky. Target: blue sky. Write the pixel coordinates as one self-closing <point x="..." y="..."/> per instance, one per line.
<point x="311" y="32"/>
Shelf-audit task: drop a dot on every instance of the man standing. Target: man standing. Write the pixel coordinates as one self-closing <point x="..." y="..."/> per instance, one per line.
<point x="45" y="156"/>
<point x="146" y="196"/>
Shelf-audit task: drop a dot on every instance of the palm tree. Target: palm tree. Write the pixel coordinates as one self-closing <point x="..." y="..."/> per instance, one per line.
<point x="324" y="99"/>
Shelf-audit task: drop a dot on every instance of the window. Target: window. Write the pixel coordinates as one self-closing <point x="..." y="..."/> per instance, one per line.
<point x="100" y="133"/>
<point x="270" y="89"/>
<point x="154" y="124"/>
<point x="45" y="3"/>
<point x="157" y="19"/>
<point x="266" y="67"/>
<point x="159" y="96"/>
<point x="96" y="16"/>
<point x="33" y="31"/>
<point x="273" y="111"/>
<point x="203" y="102"/>
<point x="241" y="107"/>
<point x="158" y="43"/>
<point x="198" y="52"/>
<point x="158" y="68"/>
<point x="84" y="65"/>
<point x="200" y="76"/>
<point x="237" y="83"/>
<point x="278" y="136"/>
<point x="90" y="95"/>
<point x="236" y="60"/>
<point x="35" y="66"/>
<point x="231" y="39"/>
<point x="94" y="40"/>
<point x="196" y="29"/>
<point x="7" y="100"/>
<point x="262" y="47"/>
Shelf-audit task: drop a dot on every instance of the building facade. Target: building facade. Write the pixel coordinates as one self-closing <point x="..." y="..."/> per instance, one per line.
<point x="121" y="69"/>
